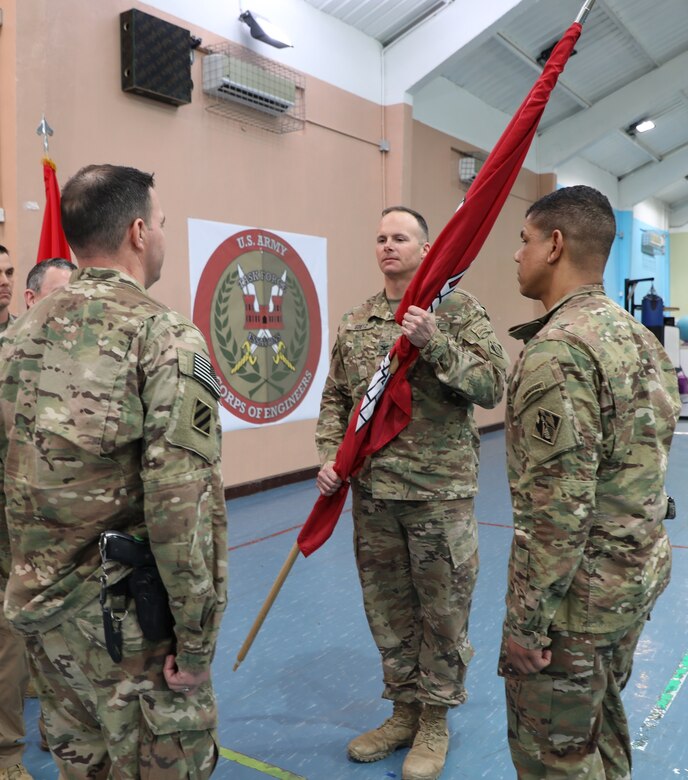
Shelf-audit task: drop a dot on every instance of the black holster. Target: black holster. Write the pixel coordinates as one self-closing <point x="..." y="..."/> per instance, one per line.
<point x="143" y="584"/>
<point x="152" y="605"/>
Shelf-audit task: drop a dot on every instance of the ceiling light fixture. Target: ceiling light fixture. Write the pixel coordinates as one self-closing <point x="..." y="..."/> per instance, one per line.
<point x="643" y="126"/>
<point x="265" y="31"/>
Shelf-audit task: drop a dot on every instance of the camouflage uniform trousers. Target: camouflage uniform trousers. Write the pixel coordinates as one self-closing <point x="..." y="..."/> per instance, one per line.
<point x="418" y="564"/>
<point x="568" y="720"/>
<point x="14" y="676"/>
<point x="108" y="720"/>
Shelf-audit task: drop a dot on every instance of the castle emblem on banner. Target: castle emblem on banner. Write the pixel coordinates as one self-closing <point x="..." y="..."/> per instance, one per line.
<point x="258" y="309"/>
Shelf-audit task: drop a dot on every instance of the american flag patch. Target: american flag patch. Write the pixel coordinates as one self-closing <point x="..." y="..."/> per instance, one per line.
<point x="205" y="373"/>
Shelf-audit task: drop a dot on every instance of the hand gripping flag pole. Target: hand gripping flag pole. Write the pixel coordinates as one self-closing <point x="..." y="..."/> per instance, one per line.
<point x="385" y="409"/>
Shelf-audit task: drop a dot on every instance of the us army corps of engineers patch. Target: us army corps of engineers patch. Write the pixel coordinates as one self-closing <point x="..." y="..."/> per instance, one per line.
<point x="258" y="308"/>
<point x="547" y="425"/>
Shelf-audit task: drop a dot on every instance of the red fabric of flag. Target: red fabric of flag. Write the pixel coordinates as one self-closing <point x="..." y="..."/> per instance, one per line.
<point x="53" y="242"/>
<point x="451" y="254"/>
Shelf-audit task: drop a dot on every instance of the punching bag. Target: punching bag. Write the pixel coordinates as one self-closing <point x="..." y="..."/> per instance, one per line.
<point x="652" y="310"/>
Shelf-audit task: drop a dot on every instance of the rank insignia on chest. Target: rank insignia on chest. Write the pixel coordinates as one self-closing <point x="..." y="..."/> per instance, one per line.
<point x="383" y="348"/>
<point x="547" y="425"/>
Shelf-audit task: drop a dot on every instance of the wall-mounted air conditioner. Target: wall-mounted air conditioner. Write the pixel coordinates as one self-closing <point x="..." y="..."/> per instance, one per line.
<point x="652" y="243"/>
<point x="231" y="78"/>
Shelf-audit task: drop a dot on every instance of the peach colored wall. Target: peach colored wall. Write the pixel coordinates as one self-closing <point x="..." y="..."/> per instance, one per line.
<point x="8" y="127"/>
<point x="328" y="180"/>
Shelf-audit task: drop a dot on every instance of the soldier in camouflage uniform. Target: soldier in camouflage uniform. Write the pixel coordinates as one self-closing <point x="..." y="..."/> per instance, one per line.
<point x="14" y="672"/>
<point x="592" y="406"/>
<point x="108" y="421"/>
<point x="415" y="535"/>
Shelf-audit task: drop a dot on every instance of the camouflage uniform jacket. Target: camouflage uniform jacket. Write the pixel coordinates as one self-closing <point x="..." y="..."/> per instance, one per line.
<point x="108" y="421"/>
<point x="592" y="404"/>
<point x="436" y="456"/>
<point x="5" y="325"/>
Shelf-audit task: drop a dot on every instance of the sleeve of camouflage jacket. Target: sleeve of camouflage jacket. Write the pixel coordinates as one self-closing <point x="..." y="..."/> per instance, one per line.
<point x="184" y="496"/>
<point x="553" y="458"/>
<point x="466" y="355"/>
<point x="5" y="557"/>
<point x="335" y="408"/>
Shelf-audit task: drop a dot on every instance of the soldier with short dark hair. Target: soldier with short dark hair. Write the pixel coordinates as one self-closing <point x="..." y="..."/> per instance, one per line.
<point x="415" y="534"/>
<point x="111" y="494"/>
<point x="45" y="277"/>
<point x="592" y="404"/>
<point x="6" y="287"/>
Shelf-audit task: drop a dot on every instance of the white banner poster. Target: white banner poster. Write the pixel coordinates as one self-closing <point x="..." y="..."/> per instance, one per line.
<point x="260" y="299"/>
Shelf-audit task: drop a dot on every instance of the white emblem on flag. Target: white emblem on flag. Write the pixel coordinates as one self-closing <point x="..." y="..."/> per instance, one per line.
<point x="374" y="391"/>
<point x="446" y="291"/>
<point x="382" y="375"/>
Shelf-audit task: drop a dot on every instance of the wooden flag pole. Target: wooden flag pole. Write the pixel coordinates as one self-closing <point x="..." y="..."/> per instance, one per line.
<point x="269" y="601"/>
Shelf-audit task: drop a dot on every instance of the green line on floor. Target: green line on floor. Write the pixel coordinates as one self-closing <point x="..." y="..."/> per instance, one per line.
<point x="259" y="766"/>
<point x="663" y="703"/>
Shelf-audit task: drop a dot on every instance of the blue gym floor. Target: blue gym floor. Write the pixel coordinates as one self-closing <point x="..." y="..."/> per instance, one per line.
<point x="311" y="681"/>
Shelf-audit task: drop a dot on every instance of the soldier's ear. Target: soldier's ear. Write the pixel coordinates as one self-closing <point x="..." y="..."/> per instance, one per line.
<point x="136" y="234"/>
<point x="557" y="246"/>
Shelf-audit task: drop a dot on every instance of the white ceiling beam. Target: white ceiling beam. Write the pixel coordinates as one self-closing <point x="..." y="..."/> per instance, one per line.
<point x="653" y="177"/>
<point x="417" y="58"/>
<point x="570" y="136"/>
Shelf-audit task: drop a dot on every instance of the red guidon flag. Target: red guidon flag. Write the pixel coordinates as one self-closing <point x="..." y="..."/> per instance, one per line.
<point x="53" y="242"/>
<point x="389" y="394"/>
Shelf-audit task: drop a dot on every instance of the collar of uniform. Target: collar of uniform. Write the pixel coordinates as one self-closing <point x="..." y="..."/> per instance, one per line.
<point x="7" y="323"/>
<point x="106" y="275"/>
<point x="379" y="307"/>
<point x="526" y="331"/>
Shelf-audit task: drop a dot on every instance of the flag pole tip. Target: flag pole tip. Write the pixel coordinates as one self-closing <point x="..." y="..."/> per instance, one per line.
<point x="236" y="666"/>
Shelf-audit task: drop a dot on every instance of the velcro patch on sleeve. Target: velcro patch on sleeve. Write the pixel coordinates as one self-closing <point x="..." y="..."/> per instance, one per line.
<point x="543" y="411"/>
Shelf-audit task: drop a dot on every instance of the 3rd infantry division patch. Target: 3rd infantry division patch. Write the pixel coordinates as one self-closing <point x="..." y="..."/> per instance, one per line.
<point x="547" y="425"/>
<point x="202" y="415"/>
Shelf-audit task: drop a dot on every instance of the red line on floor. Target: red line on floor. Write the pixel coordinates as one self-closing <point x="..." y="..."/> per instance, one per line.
<point x="297" y="527"/>
<point x="265" y="538"/>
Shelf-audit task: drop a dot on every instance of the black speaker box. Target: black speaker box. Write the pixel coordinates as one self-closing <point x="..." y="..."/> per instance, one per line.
<point x="156" y="58"/>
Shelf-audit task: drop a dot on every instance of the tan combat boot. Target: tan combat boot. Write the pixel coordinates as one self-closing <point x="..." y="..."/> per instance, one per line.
<point x="397" y="731"/>
<point x="425" y="760"/>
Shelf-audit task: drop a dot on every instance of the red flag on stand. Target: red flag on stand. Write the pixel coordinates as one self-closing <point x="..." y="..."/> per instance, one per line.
<point x="53" y="242"/>
<point x="448" y="259"/>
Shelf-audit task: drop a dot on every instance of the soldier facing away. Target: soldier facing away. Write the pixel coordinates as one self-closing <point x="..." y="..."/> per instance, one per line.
<point x="415" y="534"/>
<point x="592" y="404"/>
<point x="109" y="423"/>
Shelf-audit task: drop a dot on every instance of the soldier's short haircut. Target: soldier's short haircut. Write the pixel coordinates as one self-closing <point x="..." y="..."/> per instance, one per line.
<point x="34" y="280"/>
<point x="422" y="224"/>
<point x="4" y="250"/>
<point x="582" y="214"/>
<point x="100" y="202"/>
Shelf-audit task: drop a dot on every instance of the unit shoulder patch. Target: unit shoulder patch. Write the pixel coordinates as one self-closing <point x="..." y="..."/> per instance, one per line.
<point x="547" y="425"/>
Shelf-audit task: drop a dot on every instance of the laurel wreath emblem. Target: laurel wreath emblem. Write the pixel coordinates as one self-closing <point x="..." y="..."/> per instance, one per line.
<point x="230" y="347"/>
